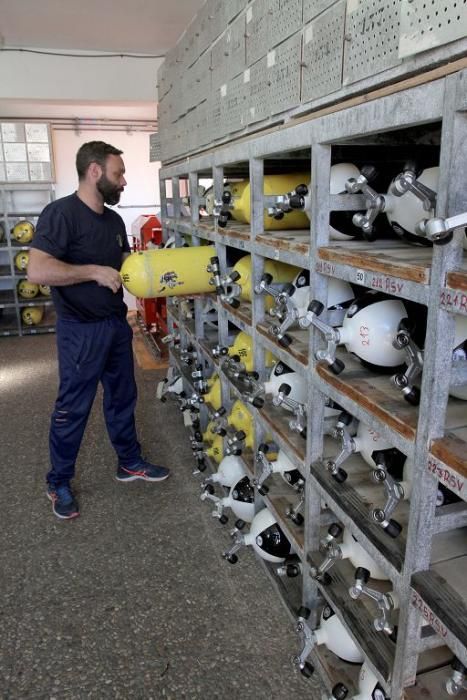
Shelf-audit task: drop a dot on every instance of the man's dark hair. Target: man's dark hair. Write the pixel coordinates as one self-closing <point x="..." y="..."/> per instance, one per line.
<point x="93" y="152"/>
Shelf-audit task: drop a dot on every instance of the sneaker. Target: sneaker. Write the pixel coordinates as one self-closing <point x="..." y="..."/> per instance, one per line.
<point x="143" y="470"/>
<point x="64" y="504"/>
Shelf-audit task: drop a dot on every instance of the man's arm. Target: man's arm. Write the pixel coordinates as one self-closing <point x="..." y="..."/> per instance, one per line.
<point x="45" y="269"/>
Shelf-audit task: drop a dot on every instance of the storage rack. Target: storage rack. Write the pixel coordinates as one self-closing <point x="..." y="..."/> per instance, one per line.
<point x="20" y="201"/>
<point x="433" y="435"/>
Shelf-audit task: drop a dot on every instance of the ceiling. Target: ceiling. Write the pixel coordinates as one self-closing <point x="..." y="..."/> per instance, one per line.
<point x="120" y="26"/>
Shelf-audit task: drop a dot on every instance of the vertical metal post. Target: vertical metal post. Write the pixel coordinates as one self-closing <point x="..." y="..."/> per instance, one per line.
<point x="256" y="166"/>
<point x="319" y="235"/>
<point x="194" y="213"/>
<point x="177" y="207"/>
<point x="257" y="261"/>
<point x="163" y="197"/>
<point x="434" y="391"/>
<point x="218" y="187"/>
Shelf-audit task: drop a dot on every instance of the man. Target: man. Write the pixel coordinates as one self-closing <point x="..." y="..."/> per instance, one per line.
<point x="78" y="250"/>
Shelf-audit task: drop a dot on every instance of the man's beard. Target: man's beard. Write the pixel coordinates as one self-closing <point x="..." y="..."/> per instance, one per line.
<point x="110" y="192"/>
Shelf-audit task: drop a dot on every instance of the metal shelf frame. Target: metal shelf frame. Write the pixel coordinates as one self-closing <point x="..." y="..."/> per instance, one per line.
<point x="440" y="102"/>
<point x="7" y="218"/>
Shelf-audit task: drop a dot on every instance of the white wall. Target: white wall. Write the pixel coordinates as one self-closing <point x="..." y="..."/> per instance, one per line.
<point x="36" y="77"/>
<point x="142" y="176"/>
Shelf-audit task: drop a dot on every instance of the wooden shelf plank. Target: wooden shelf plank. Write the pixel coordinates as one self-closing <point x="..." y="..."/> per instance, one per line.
<point x="432" y="686"/>
<point x="457" y="279"/>
<point x="298" y="348"/>
<point x="376" y="394"/>
<point x="349" y="501"/>
<point x="448" y="461"/>
<point x="389" y="258"/>
<point x="242" y="315"/>
<point x="440" y="595"/>
<point x="358" y="616"/>
<point x="278" y="420"/>
<point x="295" y="241"/>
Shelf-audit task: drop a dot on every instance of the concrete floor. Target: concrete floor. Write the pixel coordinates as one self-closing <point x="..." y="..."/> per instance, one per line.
<point x="132" y="599"/>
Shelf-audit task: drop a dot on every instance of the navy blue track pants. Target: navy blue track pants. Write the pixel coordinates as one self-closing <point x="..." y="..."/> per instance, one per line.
<point x="89" y="353"/>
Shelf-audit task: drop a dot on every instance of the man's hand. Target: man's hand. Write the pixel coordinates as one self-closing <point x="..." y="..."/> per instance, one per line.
<point x="45" y="269"/>
<point x="107" y="277"/>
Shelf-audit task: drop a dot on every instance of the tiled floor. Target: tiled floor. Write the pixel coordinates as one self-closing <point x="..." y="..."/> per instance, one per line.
<point x="131" y="600"/>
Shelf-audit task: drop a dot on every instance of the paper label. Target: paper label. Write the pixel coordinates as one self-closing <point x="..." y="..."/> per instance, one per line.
<point x="271" y="59"/>
<point x="249" y="15"/>
<point x="246" y="76"/>
<point x="352" y="5"/>
<point x="360" y="277"/>
<point x="309" y="34"/>
<point x="223" y="90"/>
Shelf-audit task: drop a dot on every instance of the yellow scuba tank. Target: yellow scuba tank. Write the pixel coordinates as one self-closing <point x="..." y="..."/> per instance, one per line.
<point x="240" y="418"/>
<point x="27" y="290"/>
<point x="281" y="273"/>
<point x="21" y="260"/>
<point x="168" y="272"/>
<point x="23" y="232"/>
<point x="208" y="435"/>
<point x="243" y="347"/>
<point x="213" y="394"/>
<point x="273" y="185"/>
<point x="216" y="450"/>
<point x="32" y="315"/>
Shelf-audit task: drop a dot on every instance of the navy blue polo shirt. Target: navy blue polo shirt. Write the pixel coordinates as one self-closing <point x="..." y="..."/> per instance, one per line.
<point x="72" y="232"/>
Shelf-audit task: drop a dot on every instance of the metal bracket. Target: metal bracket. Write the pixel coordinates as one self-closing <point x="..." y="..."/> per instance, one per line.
<point x="282" y="398"/>
<point x="331" y="335"/>
<point x="308" y="640"/>
<point x="222" y="208"/>
<point x="188" y="354"/>
<point x="238" y="543"/>
<point x="284" y="308"/>
<point x="190" y="402"/>
<point x="333" y="552"/>
<point x="440" y="230"/>
<point x="394" y="494"/>
<point x="266" y="468"/>
<point x="414" y="358"/>
<point x="385" y="602"/>
<point x="348" y="447"/>
<point x="219" y="422"/>
<point x="407" y="182"/>
<point x="457" y="681"/>
<point x="236" y="443"/>
<point x="293" y="512"/>
<point x="285" y="203"/>
<point x="376" y="203"/>
<point x="291" y="569"/>
<point x="199" y="382"/>
<point x="218" y="511"/>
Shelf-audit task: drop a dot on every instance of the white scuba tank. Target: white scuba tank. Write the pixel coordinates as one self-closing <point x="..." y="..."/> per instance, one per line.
<point x="282" y="374"/>
<point x="460" y="353"/>
<point x="340" y="222"/>
<point x="230" y="470"/>
<point x="267" y="538"/>
<point x="406" y="211"/>
<point x="369" y="328"/>
<point x="340" y="294"/>
<point x="335" y="637"/>
<point x="354" y="551"/>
